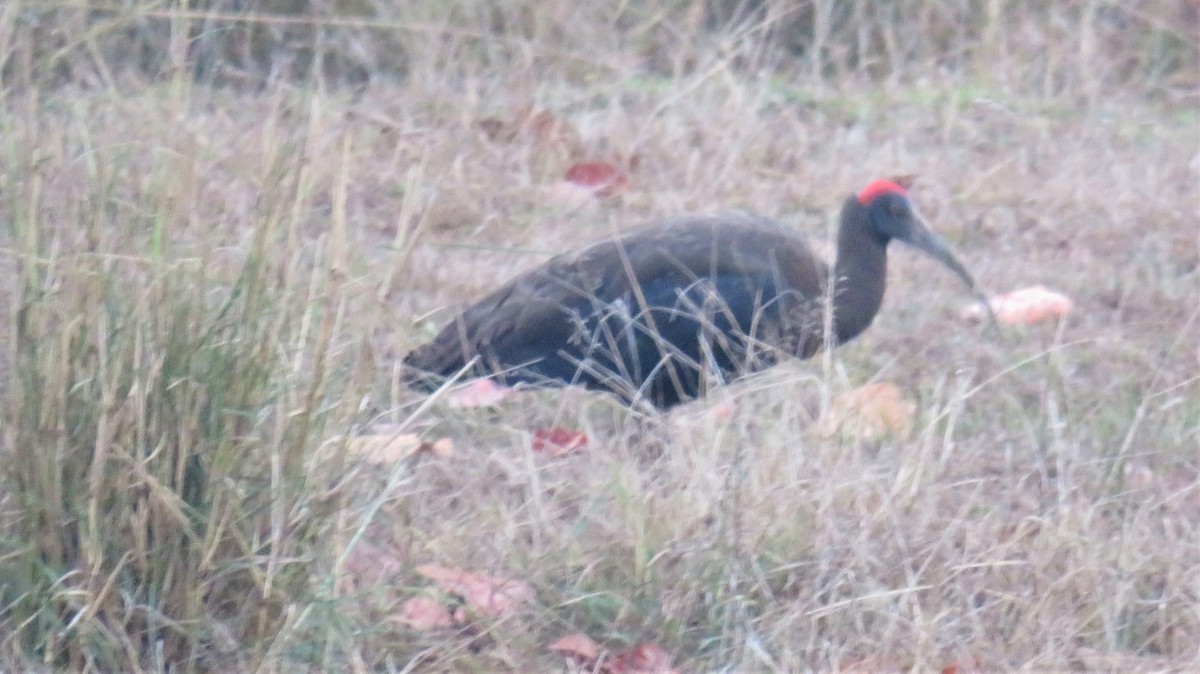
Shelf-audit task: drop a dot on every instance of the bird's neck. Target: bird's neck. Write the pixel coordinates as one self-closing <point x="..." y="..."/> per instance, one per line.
<point x="860" y="273"/>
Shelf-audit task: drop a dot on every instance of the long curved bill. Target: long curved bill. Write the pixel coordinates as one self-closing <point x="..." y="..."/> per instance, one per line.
<point x="925" y="239"/>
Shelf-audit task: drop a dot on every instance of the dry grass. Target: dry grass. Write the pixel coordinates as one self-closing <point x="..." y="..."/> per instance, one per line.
<point x="207" y="289"/>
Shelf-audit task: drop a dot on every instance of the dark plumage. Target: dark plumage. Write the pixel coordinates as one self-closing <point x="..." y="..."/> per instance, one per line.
<point x="662" y="312"/>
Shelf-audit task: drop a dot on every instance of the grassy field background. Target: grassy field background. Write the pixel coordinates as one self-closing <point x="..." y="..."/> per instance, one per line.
<point x="222" y="228"/>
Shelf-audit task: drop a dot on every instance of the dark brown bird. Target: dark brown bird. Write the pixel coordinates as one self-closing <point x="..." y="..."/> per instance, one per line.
<point x="665" y="311"/>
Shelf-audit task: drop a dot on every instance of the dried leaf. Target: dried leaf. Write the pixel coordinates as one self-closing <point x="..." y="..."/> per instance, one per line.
<point x="478" y="393"/>
<point x="556" y="442"/>
<point x="578" y="647"/>
<point x="602" y="178"/>
<point x="645" y="658"/>
<point x="869" y="412"/>
<point x="1024" y="306"/>
<point x="489" y="595"/>
<point x="424" y="613"/>
<point x="384" y="448"/>
<point x="439" y="447"/>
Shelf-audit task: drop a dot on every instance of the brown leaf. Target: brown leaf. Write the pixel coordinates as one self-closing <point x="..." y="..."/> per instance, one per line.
<point x="556" y="442"/>
<point x="383" y="447"/>
<point x="1024" y="306"/>
<point x="578" y="647"/>
<point x="439" y="447"/>
<point x="603" y="178"/>
<point x="645" y="658"/>
<point x="424" y="614"/>
<point x="489" y="595"/>
<point x="478" y="393"/>
<point x="868" y="412"/>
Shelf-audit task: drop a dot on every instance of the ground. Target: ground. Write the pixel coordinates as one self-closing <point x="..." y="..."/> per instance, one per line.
<point x="207" y="290"/>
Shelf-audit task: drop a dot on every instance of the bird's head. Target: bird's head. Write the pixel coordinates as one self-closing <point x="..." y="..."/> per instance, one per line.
<point x="890" y="215"/>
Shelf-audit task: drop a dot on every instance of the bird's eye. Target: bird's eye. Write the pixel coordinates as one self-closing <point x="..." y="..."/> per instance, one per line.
<point x="897" y="208"/>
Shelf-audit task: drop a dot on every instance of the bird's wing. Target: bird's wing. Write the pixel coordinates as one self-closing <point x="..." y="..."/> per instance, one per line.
<point x="539" y="312"/>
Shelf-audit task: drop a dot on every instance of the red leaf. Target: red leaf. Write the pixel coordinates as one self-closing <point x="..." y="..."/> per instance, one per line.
<point x="556" y="442"/>
<point x="645" y="658"/>
<point x="602" y="178"/>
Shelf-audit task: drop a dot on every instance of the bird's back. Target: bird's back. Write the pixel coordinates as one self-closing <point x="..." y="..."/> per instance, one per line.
<point x="647" y="314"/>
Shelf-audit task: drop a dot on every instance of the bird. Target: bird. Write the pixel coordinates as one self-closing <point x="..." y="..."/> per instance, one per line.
<point x="664" y="312"/>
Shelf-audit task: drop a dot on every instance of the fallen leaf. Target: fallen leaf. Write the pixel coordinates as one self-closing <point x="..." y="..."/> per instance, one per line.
<point x="478" y="393"/>
<point x="556" y="442"/>
<point x="442" y="447"/>
<point x="602" y="178"/>
<point x="490" y="595"/>
<point x="424" y="613"/>
<point x="1023" y="306"/>
<point x="645" y="658"/>
<point x="383" y="447"/>
<point x="869" y="412"/>
<point x="578" y="647"/>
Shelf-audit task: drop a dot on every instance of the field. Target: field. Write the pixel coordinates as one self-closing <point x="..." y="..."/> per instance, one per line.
<point x="222" y="230"/>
